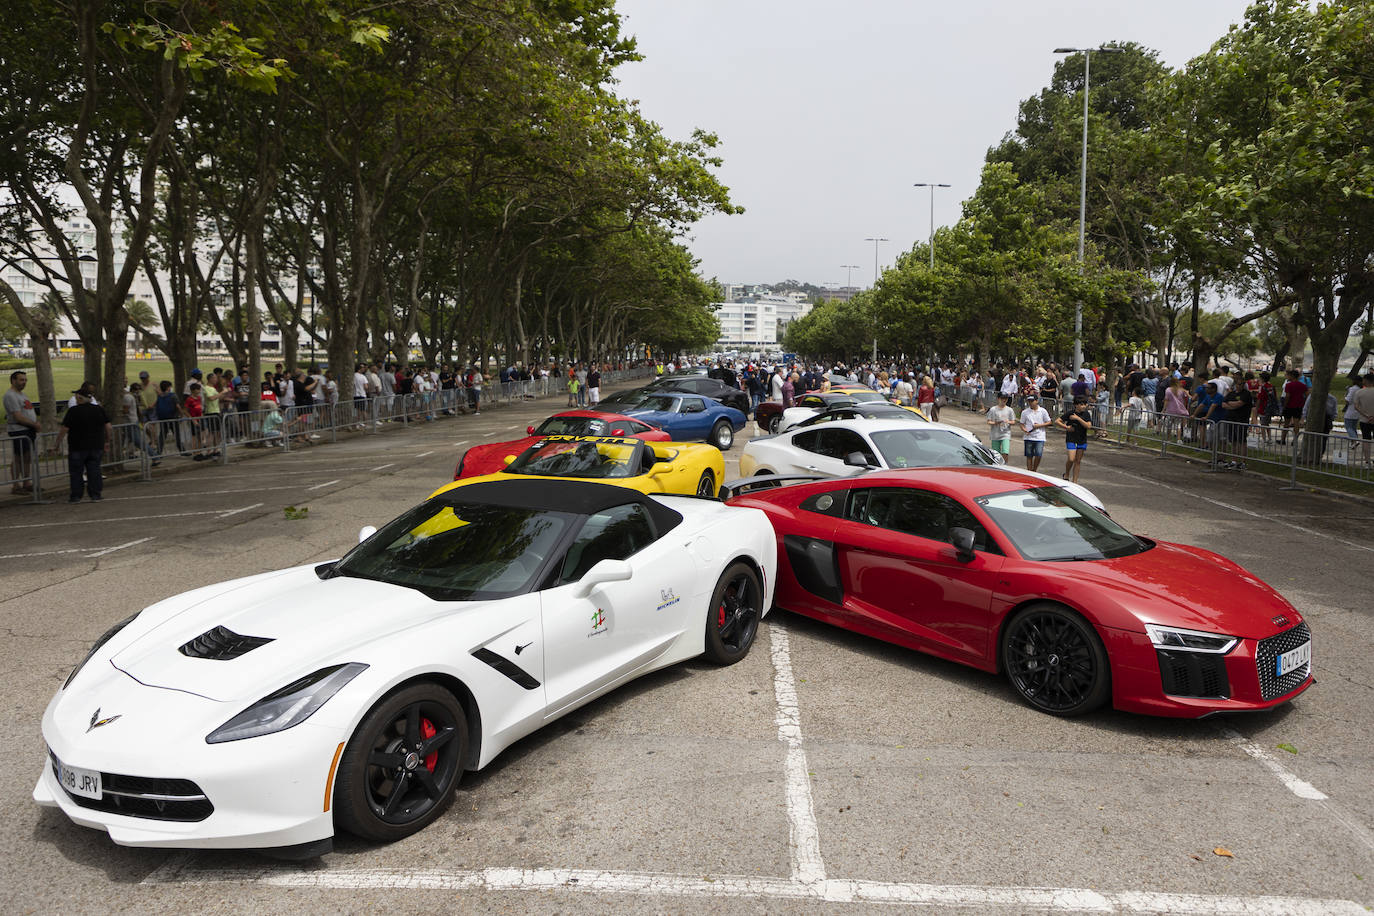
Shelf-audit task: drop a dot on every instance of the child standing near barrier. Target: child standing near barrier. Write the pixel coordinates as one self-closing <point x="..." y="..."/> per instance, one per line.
<point x="1135" y="407"/>
<point x="1000" y="419"/>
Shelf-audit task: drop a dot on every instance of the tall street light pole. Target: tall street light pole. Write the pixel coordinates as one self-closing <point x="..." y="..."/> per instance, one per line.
<point x="875" y="242"/>
<point x="849" y="275"/>
<point x="1083" y="193"/>
<point x="923" y="184"/>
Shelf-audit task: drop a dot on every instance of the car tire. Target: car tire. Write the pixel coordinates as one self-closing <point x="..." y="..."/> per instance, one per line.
<point x="732" y="618"/>
<point x="1055" y="660"/>
<point x="722" y="435"/>
<point x="706" y="486"/>
<point x="775" y="424"/>
<point x="380" y="793"/>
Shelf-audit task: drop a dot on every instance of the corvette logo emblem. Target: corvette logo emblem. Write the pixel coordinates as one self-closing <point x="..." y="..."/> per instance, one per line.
<point x="1281" y="620"/>
<point x="96" y="721"/>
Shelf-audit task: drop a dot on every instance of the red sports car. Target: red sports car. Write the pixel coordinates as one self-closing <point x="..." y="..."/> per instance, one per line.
<point x="490" y="458"/>
<point x="998" y="570"/>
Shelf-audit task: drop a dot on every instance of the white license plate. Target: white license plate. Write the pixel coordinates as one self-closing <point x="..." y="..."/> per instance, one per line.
<point x="77" y="781"/>
<point x="1293" y="660"/>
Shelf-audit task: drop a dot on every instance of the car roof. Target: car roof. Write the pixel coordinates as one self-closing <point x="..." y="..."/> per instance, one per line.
<point x="589" y="414"/>
<point x="876" y="425"/>
<point x="969" y="482"/>
<point x="577" y="497"/>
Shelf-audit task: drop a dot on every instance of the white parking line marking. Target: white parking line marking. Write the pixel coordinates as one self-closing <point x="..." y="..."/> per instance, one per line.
<point x="1299" y="787"/>
<point x="1295" y="785"/>
<point x="179" y="870"/>
<point x="106" y="521"/>
<point x="383" y="467"/>
<point x="1268" y="518"/>
<point x="101" y="553"/>
<point x="461" y="442"/>
<point x="424" y="454"/>
<point x="807" y="865"/>
<point x="237" y="511"/>
<point x="321" y="486"/>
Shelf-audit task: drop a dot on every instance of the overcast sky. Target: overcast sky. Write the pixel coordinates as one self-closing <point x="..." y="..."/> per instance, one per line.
<point x="828" y="112"/>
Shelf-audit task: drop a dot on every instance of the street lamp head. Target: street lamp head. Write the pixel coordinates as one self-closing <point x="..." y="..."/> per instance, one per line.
<point x="1067" y="50"/>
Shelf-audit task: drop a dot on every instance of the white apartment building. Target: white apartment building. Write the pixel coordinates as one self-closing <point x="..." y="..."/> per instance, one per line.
<point x="82" y="236"/>
<point x="757" y="322"/>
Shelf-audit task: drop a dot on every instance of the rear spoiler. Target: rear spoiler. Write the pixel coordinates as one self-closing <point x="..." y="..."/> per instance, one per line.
<point x="744" y="485"/>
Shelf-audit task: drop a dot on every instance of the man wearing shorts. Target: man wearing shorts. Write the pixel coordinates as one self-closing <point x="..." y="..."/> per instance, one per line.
<point x="1034" y="420"/>
<point x="1000" y="419"/>
<point x="1076" y="423"/>
<point x="21" y="422"/>
<point x="1294" y="396"/>
<point x="1363" y="402"/>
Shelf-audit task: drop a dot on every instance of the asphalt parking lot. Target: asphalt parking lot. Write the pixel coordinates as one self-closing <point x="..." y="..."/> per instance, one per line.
<point x="826" y="772"/>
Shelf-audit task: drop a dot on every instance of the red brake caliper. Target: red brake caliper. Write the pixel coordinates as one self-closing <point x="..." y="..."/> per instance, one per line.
<point x="427" y="731"/>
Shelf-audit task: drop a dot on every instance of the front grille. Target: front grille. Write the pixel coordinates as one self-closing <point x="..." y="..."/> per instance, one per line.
<point x="145" y="796"/>
<point x="1193" y="674"/>
<point x="1266" y="662"/>
<point x="222" y="644"/>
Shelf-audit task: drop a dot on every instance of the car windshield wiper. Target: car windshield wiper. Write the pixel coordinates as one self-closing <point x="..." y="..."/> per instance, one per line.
<point x="1076" y="557"/>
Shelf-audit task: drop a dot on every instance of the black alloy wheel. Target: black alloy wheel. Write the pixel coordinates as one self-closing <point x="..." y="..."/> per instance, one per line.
<point x="1055" y="660"/>
<point x="732" y="620"/>
<point x="402" y="765"/>
<point x="706" y="486"/>
<point x="722" y="436"/>
<point x="775" y="424"/>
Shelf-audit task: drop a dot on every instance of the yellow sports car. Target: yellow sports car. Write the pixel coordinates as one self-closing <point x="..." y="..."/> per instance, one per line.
<point x="650" y="467"/>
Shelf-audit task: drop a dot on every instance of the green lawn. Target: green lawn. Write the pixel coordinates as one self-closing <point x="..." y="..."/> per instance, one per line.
<point x="66" y="376"/>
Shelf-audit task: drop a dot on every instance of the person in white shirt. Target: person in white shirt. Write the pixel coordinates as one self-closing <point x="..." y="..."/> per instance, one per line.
<point x="1034" y="420"/>
<point x="904" y="392"/>
<point x="1224" y="382"/>
<point x="1000" y="419"/>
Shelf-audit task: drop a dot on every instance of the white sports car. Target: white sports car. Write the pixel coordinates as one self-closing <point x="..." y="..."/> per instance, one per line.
<point x="270" y="711"/>
<point x="845" y="448"/>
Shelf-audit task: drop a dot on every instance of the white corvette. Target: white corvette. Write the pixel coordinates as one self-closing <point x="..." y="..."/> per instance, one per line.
<point x="267" y="712"/>
<point x="845" y="448"/>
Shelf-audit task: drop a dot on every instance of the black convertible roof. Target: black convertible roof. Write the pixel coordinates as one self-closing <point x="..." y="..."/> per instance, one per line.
<point x="574" y="496"/>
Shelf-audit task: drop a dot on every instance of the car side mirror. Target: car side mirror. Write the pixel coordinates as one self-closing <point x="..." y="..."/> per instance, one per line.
<point x="617" y="432"/>
<point x="508" y="459"/>
<point x="603" y="572"/>
<point x="962" y="539"/>
<point x="856" y="460"/>
<point x="366" y="532"/>
<point x="529" y="430"/>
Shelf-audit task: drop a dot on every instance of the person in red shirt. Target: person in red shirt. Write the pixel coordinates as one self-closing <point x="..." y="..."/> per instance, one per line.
<point x="195" y="409"/>
<point x="1294" y="396"/>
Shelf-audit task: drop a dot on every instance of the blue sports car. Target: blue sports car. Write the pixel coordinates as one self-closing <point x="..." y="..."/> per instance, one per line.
<point x="685" y="417"/>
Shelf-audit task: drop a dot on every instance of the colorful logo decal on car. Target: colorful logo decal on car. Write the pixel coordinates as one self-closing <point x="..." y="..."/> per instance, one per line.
<point x="668" y="598"/>
<point x="598" y="623"/>
<point x="96" y="721"/>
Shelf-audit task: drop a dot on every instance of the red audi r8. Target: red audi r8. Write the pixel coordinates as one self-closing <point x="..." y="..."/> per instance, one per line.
<point x="1000" y="571"/>
<point x="490" y="458"/>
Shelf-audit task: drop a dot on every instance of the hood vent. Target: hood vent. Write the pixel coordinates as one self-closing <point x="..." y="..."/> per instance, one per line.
<point x="221" y="644"/>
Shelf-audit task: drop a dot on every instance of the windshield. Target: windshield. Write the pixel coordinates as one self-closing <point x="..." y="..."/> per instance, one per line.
<point x="452" y="551"/>
<point x="928" y="448"/>
<point x="1048" y="523"/>
<point x="860" y="396"/>
<point x="578" y="426"/>
<point x="653" y="402"/>
<point x="571" y="458"/>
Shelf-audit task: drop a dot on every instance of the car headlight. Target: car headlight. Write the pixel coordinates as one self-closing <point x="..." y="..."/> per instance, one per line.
<point x="291" y="705"/>
<point x="108" y="635"/>
<point x="1189" y="640"/>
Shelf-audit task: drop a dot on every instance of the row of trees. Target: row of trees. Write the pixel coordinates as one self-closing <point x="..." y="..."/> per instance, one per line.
<point x="1247" y="175"/>
<point x="451" y="170"/>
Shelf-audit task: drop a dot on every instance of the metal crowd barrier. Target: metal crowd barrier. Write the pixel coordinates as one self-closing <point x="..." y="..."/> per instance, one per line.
<point x="1221" y="446"/>
<point x="142" y="446"/>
